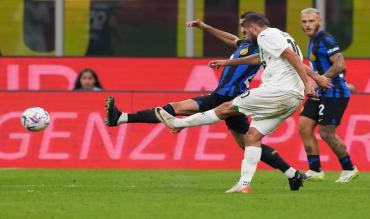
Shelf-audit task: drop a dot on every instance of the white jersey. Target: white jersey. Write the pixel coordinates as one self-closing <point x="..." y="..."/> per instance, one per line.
<point x="278" y="72"/>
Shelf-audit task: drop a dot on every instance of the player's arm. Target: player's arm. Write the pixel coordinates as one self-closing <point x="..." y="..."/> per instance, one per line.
<point x="338" y="65"/>
<point x="248" y="60"/>
<point x="226" y="37"/>
<point x="321" y="80"/>
<point x="300" y="68"/>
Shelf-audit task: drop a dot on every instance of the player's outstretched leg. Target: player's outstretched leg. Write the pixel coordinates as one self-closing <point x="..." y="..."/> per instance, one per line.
<point x="113" y="113"/>
<point x="116" y="117"/>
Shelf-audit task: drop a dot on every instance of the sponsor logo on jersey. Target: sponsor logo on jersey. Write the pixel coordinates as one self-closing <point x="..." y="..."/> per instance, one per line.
<point x="244" y="52"/>
<point x="330" y="51"/>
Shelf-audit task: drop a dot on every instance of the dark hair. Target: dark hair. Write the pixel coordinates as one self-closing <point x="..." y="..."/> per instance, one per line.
<point x="78" y="85"/>
<point x="243" y="15"/>
<point x="255" y="18"/>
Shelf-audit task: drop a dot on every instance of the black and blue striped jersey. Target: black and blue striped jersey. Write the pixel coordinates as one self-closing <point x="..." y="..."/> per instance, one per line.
<point x="235" y="79"/>
<point x="320" y="48"/>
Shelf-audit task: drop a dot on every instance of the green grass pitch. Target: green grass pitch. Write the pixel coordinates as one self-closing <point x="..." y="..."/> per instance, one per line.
<point x="57" y="193"/>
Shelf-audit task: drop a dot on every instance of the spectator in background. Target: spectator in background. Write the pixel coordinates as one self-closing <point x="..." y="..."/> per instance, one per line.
<point x="87" y="80"/>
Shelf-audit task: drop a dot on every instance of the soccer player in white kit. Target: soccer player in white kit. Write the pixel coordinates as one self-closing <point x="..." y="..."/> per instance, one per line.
<point x="284" y="83"/>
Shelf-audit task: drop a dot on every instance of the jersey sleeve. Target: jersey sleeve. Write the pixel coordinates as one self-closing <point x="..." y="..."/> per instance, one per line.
<point x="332" y="47"/>
<point x="273" y="42"/>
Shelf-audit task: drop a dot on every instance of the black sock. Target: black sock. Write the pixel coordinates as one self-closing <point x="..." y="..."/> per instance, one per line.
<point x="148" y="116"/>
<point x="346" y="163"/>
<point x="314" y="162"/>
<point x="271" y="157"/>
<point x="169" y="109"/>
<point x="144" y="116"/>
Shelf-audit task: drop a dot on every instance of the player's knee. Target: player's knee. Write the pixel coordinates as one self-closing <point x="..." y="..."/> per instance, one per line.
<point x="253" y="136"/>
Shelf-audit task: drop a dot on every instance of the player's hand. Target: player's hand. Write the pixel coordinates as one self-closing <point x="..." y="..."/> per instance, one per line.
<point x="314" y="84"/>
<point x="196" y="23"/>
<point x="216" y="64"/>
<point x="310" y="91"/>
<point x="324" y="81"/>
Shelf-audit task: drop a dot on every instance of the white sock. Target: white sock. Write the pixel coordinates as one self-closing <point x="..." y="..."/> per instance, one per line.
<point x="252" y="156"/>
<point x="122" y="119"/>
<point x="290" y="172"/>
<point x="206" y="118"/>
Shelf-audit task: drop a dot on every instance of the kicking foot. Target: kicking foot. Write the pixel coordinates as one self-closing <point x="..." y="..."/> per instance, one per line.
<point x="242" y="187"/>
<point x="297" y="181"/>
<point x="175" y="131"/>
<point x="315" y="176"/>
<point x="167" y="119"/>
<point x="348" y="175"/>
<point x="113" y="113"/>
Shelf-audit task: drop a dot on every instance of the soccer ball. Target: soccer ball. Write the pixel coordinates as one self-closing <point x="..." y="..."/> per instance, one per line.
<point x="35" y="119"/>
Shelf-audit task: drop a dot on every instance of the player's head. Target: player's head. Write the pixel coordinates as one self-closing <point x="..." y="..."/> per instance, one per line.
<point x="241" y="20"/>
<point x="87" y="80"/>
<point x="310" y="21"/>
<point x="254" y="23"/>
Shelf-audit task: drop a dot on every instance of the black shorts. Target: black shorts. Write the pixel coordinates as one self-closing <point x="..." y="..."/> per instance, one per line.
<point x="237" y="123"/>
<point x="327" y="111"/>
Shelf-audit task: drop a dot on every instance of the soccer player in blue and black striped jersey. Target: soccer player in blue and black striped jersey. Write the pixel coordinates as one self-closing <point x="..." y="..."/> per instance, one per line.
<point x="326" y="59"/>
<point x="234" y="81"/>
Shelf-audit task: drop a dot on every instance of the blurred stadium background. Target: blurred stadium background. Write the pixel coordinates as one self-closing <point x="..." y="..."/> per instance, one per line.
<point x="145" y="57"/>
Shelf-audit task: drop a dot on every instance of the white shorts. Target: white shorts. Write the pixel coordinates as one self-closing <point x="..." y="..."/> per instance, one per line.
<point x="268" y="107"/>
